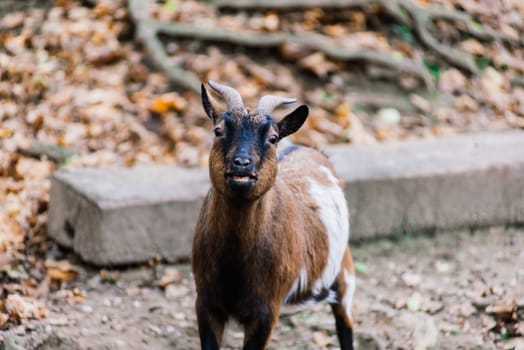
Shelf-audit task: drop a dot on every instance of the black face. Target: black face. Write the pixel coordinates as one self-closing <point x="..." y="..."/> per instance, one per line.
<point x="245" y="143"/>
<point x="243" y="160"/>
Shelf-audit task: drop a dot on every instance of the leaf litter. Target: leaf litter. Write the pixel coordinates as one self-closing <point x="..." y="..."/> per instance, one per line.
<point x="75" y="92"/>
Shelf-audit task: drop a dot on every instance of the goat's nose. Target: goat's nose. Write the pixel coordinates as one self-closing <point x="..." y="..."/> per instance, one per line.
<point x="242" y="161"/>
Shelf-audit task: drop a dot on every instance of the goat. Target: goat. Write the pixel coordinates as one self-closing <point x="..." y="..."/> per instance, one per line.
<point x="273" y="229"/>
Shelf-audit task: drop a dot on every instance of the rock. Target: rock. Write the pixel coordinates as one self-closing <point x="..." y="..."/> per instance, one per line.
<point x="369" y="341"/>
<point x="422" y="329"/>
<point x="411" y="279"/>
<point x="514" y="344"/>
<point x="388" y="116"/>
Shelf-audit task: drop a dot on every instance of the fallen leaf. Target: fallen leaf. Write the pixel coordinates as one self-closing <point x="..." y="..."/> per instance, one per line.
<point x="472" y="46"/>
<point x="171" y="275"/>
<point x="165" y="102"/>
<point x="335" y="30"/>
<point x="74" y="296"/>
<point x="3" y="320"/>
<point x="452" y="80"/>
<point x="109" y="276"/>
<point x="61" y="270"/>
<point x="322" y="339"/>
<point x="318" y="64"/>
<point x="271" y="22"/>
<point x="5" y="133"/>
<point x="24" y="308"/>
<point x="506" y="310"/>
<point x="5" y="261"/>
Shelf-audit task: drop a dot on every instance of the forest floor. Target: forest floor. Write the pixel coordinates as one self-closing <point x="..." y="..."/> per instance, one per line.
<point x="455" y="290"/>
<point x="75" y="92"/>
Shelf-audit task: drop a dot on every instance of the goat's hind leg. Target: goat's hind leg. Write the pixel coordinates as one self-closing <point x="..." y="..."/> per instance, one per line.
<point x="344" y="288"/>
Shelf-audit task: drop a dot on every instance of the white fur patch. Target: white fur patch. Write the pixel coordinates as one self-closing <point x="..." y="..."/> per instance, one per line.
<point x="333" y="213"/>
<point x="299" y="285"/>
<point x="347" y="299"/>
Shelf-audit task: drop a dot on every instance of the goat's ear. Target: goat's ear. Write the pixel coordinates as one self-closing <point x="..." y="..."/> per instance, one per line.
<point x="208" y="106"/>
<point x="293" y="121"/>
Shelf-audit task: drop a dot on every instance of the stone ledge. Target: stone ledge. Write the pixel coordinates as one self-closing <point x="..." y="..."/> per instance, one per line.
<point x="121" y="216"/>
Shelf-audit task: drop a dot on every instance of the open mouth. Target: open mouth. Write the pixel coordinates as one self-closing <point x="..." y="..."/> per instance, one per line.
<point x="240" y="177"/>
<point x="240" y="181"/>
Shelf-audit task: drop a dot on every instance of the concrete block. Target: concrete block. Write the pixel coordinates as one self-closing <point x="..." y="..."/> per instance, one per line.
<point x="120" y="216"/>
<point x="126" y="215"/>
<point x="445" y="183"/>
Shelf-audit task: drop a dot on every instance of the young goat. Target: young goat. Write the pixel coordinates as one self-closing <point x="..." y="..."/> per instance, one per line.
<point x="265" y="239"/>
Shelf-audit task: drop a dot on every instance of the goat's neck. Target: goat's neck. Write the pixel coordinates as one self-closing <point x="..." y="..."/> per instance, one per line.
<point x="239" y="217"/>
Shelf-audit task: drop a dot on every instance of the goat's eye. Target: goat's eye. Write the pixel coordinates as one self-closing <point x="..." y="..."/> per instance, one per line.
<point x="273" y="139"/>
<point x="219" y="132"/>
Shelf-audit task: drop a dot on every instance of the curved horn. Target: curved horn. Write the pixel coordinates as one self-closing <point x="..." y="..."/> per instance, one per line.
<point x="269" y="102"/>
<point x="232" y="97"/>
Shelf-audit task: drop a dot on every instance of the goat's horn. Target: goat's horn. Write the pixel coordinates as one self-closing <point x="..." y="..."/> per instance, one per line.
<point x="269" y="102"/>
<point x="232" y="97"/>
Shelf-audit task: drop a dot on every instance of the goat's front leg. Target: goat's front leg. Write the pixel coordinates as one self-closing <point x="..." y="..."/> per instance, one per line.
<point x="257" y="332"/>
<point x="210" y="327"/>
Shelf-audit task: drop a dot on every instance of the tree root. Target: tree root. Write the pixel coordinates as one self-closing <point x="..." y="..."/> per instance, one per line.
<point x="307" y="40"/>
<point x="147" y="34"/>
<point x="147" y="31"/>
<point x="406" y="12"/>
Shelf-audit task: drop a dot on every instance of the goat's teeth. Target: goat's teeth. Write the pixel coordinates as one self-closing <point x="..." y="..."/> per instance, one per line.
<point x="241" y="178"/>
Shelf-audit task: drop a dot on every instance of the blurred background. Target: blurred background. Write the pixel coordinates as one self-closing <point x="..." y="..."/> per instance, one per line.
<point x="98" y="82"/>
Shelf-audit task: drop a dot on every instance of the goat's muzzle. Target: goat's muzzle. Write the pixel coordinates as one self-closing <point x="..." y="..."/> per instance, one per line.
<point x="240" y="181"/>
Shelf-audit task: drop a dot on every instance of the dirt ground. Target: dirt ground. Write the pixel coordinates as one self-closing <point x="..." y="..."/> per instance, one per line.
<point x="454" y="290"/>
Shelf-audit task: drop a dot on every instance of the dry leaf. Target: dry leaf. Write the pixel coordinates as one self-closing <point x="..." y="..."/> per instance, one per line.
<point x="24" y="308"/>
<point x="5" y="260"/>
<point x="5" y="133"/>
<point x="271" y="22"/>
<point x="452" y="80"/>
<point x="473" y="47"/>
<point x="464" y="103"/>
<point x="3" y="320"/>
<point x="335" y="30"/>
<point x="109" y="276"/>
<point x="322" y="339"/>
<point x="61" y="270"/>
<point x="318" y="64"/>
<point x="506" y="310"/>
<point x="165" y="102"/>
<point x="171" y="275"/>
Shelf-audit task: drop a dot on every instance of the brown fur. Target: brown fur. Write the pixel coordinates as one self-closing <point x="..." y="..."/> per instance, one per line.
<point x="275" y="241"/>
<point x="249" y="249"/>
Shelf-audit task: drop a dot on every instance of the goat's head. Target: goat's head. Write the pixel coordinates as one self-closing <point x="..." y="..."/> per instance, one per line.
<point x="243" y="159"/>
